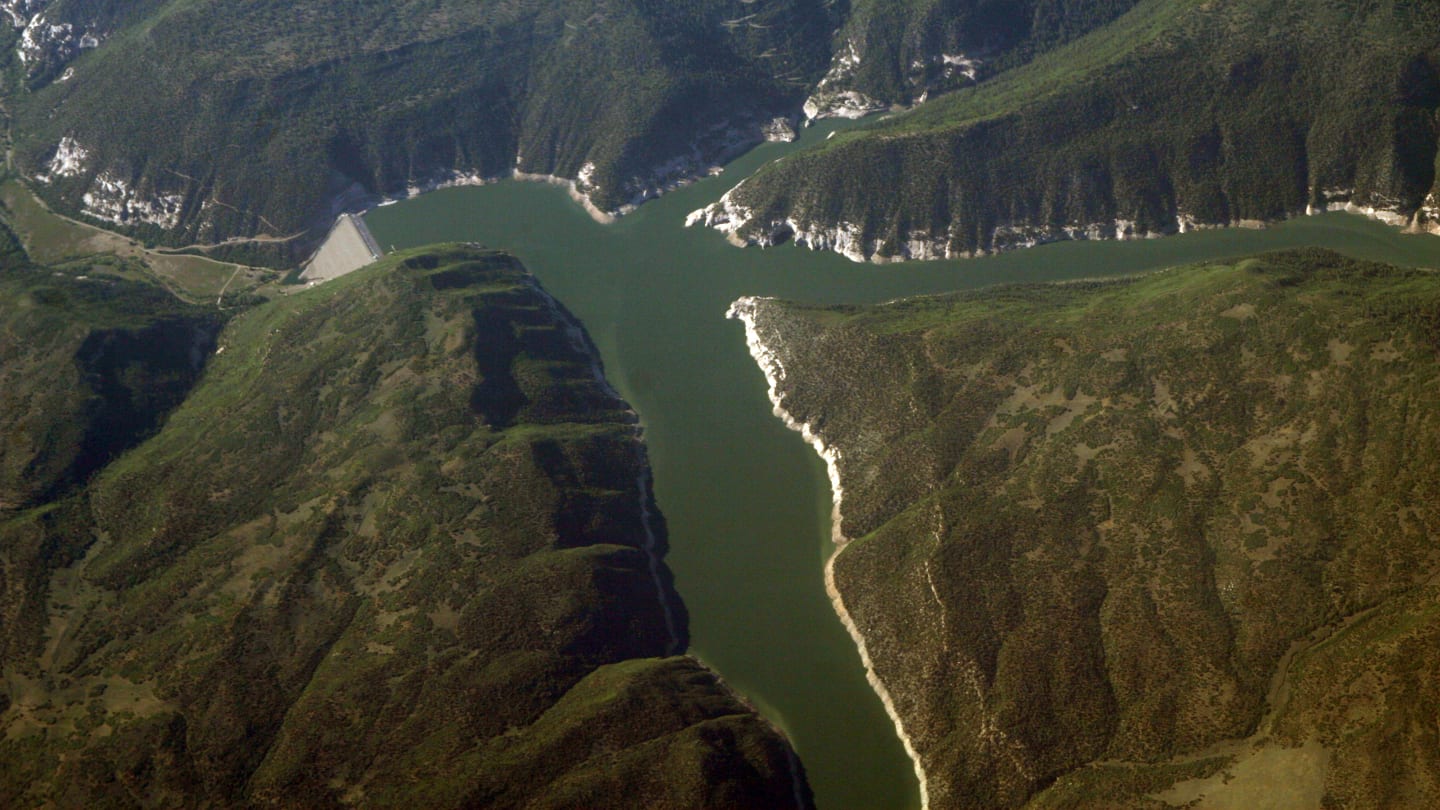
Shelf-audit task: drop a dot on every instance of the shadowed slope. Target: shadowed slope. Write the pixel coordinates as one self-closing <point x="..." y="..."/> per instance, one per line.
<point x="344" y="571"/>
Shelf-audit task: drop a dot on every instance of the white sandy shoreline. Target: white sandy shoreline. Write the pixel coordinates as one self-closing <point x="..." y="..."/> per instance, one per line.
<point x="675" y="174"/>
<point x="740" y="227"/>
<point x="460" y="179"/>
<point x="744" y="310"/>
<point x="573" y="189"/>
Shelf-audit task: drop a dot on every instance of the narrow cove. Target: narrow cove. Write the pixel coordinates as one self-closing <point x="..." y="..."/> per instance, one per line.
<point x="746" y="500"/>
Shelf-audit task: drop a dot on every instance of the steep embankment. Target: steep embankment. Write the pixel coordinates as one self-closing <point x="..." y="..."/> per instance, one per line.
<point x="198" y="121"/>
<point x="1108" y="538"/>
<point x="398" y="546"/>
<point x="903" y="52"/>
<point x="193" y="122"/>
<point x="1177" y="115"/>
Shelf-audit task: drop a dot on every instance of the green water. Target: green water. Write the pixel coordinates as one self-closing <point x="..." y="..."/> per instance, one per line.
<point x="746" y="500"/>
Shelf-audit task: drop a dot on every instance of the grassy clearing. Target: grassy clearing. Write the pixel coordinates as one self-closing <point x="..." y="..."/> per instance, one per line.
<point x="53" y="239"/>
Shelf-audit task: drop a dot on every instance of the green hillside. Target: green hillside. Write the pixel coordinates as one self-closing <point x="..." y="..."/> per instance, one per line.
<point x="203" y="120"/>
<point x="905" y="51"/>
<point x="91" y="360"/>
<point x="1178" y="115"/>
<point x="1124" y="543"/>
<point x="194" y="121"/>
<point x="396" y="548"/>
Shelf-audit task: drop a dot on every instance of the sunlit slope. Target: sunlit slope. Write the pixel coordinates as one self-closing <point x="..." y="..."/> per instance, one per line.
<point x="1179" y="114"/>
<point x="397" y="547"/>
<point x="1127" y="534"/>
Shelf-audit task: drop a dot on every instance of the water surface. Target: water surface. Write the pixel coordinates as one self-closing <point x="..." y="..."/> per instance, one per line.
<point x="746" y="500"/>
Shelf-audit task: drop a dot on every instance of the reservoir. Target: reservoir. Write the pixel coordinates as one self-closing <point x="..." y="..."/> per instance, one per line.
<point x="746" y="500"/>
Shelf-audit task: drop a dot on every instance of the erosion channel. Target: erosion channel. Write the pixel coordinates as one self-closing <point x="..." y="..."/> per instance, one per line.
<point x="746" y="500"/>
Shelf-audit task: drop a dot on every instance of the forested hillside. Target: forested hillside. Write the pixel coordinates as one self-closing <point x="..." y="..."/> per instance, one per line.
<point x="210" y="119"/>
<point x="1129" y="543"/>
<point x="191" y="121"/>
<point x="904" y="52"/>
<point x="394" y="546"/>
<point x="90" y="364"/>
<point x="1178" y="115"/>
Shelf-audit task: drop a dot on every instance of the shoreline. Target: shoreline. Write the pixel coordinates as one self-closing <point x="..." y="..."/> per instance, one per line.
<point x="644" y="486"/>
<point x="844" y="238"/>
<point x="572" y="188"/>
<point x="644" y="483"/>
<point x="743" y="310"/>
<point x="726" y="143"/>
<point x="457" y="179"/>
<point x="791" y="758"/>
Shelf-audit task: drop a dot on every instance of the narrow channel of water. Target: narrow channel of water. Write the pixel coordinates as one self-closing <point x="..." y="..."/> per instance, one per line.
<point x="746" y="500"/>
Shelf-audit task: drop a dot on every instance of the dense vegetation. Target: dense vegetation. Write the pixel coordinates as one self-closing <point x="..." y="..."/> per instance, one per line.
<point x="396" y="547"/>
<point x="259" y="115"/>
<point x="89" y="365"/>
<point x="901" y="45"/>
<point x="1112" y="536"/>
<point x="198" y="121"/>
<point x="1179" y="114"/>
